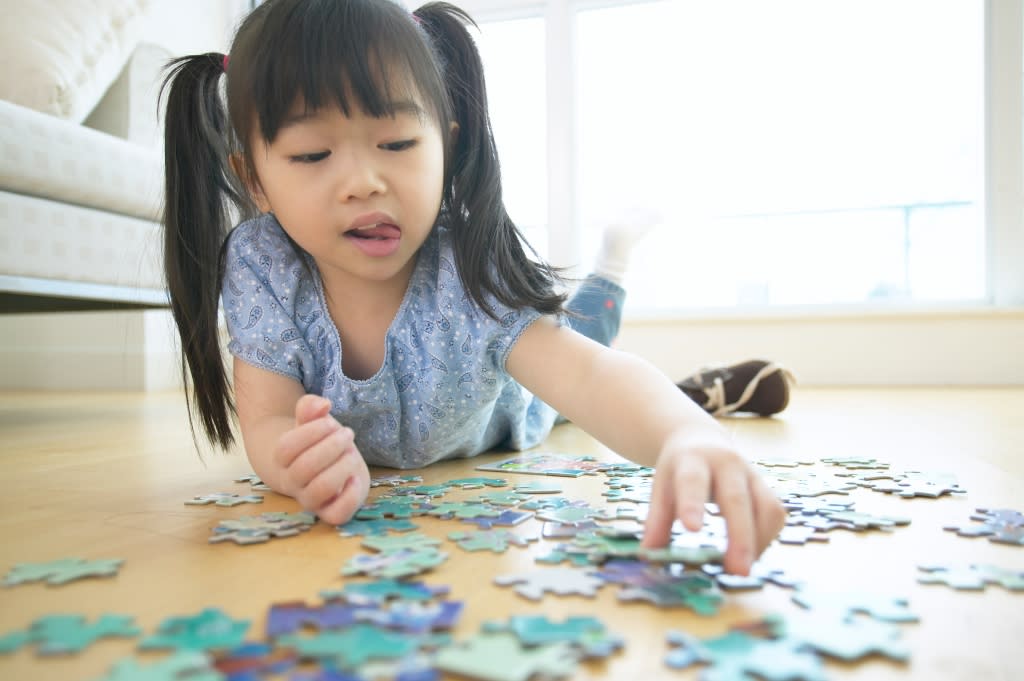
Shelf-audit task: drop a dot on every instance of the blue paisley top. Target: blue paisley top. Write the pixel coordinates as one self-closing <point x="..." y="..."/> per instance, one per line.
<point x="442" y="391"/>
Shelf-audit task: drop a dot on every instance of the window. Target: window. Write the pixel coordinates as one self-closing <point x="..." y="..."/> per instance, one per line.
<point x="513" y="55"/>
<point x="800" y="152"/>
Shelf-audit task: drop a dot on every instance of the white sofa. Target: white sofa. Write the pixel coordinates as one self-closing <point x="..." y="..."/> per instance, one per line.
<point x="80" y="157"/>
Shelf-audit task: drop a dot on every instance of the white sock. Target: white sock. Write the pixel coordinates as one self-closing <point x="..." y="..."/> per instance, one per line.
<point x="617" y="244"/>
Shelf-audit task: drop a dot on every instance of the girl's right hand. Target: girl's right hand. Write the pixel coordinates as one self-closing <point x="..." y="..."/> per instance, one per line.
<point x="320" y="464"/>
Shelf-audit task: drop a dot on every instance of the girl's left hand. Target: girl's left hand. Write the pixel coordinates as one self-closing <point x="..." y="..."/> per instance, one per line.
<point x="689" y="473"/>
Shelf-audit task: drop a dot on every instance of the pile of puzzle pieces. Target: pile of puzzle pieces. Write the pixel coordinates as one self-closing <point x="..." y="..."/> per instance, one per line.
<point x="381" y="623"/>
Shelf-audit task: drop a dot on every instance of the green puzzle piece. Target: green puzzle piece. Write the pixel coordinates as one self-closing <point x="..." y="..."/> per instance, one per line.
<point x="586" y="633"/>
<point x="182" y="666"/>
<point x="477" y="483"/>
<point x="412" y="540"/>
<point x="62" y="571"/>
<point x="358" y="527"/>
<point x="382" y="590"/>
<point x="61" y="634"/>
<point x="972" y="577"/>
<point x="353" y="646"/>
<point x="394" y="564"/>
<point x="464" y="509"/>
<point x="500" y="657"/>
<point x="211" y="628"/>
<point x="738" y="656"/>
<point x="490" y="540"/>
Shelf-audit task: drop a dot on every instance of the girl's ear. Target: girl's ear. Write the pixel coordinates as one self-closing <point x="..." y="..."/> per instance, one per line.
<point x="251" y="183"/>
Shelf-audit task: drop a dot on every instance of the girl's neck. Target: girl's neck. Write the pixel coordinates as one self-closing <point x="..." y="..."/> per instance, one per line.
<point x="362" y="312"/>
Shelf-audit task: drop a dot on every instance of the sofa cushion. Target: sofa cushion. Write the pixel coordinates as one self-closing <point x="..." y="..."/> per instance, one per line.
<point x="47" y="157"/>
<point x="60" y="56"/>
<point x="129" y="108"/>
<point x="56" y="241"/>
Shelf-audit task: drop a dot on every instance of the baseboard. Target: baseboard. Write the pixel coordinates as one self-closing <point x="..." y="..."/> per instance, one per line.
<point x="117" y="350"/>
<point x="963" y="348"/>
<point x="136" y="350"/>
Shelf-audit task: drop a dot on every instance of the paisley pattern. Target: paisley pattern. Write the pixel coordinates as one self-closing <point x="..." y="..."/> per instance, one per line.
<point x="443" y="390"/>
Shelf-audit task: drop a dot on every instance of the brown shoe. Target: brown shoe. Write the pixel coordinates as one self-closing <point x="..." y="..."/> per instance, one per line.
<point x="754" y="386"/>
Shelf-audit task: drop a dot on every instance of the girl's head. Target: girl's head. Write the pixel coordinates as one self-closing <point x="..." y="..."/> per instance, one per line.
<point x="298" y="57"/>
<point x="334" y="60"/>
<point x="339" y="109"/>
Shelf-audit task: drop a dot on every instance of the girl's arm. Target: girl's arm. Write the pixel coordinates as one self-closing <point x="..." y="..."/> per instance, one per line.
<point x="635" y="410"/>
<point x="296" y="446"/>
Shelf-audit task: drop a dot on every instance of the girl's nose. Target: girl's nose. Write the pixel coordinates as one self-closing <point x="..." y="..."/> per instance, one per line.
<point x="361" y="179"/>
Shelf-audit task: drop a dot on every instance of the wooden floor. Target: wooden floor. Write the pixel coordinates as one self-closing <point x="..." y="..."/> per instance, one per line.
<point x="105" y="476"/>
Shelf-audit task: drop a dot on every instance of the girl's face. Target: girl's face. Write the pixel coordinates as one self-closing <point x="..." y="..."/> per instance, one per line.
<point x="359" y="194"/>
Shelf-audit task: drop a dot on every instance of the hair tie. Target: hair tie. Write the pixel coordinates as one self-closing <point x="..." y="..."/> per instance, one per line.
<point x="224" y="63"/>
<point x="415" y="17"/>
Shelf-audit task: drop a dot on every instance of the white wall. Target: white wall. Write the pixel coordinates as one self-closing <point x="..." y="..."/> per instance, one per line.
<point x="970" y="347"/>
<point x="194" y="26"/>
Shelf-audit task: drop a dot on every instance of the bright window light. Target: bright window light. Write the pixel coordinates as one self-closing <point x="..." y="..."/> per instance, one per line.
<point x="799" y="151"/>
<point x="513" y="55"/>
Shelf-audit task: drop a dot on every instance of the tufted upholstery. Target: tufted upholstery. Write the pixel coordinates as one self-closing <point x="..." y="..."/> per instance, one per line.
<point x="79" y="207"/>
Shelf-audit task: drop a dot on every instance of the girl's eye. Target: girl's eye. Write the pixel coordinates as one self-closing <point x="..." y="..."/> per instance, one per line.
<point x="401" y="145"/>
<point x="310" y="158"/>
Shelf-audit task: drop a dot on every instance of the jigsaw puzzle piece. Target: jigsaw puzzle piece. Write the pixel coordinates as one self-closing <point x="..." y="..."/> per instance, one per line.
<point x="64" y="634"/>
<point x="972" y="577"/>
<point x="254" y="661"/>
<point x="210" y="628"/>
<point x="62" y="571"/>
<point x="414" y="617"/>
<point x="847" y="639"/>
<point x="477" y="483"/>
<point x="588" y="634"/>
<point x="181" y="666"/>
<point x="352" y="647"/>
<point x="845" y="603"/>
<point x="224" y="499"/>
<point x="740" y="656"/>
<point x="501" y="657"/>
<point x="415" y="541"/>
<point x="497" y="541"/>
<point x="361" y="528"/>
<point x="394" y="564"/>
<point x="560" y="580"/>
<point x="382" y="590"/>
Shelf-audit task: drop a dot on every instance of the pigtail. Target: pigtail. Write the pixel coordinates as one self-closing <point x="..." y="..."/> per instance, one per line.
<point x="196" y="222"/>
<point x="489" y="248"/>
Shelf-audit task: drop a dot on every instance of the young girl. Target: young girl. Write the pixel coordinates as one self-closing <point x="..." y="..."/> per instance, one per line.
<point x="380" y="304"/>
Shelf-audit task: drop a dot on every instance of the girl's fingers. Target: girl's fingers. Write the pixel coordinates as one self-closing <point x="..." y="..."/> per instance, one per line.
<point x="324" y="444"/>
<point x="337" y="492"/>
<point x="310" y="407"/>
<point x="681" y="488"/>
<point x="298" y="440"/>
<point x="661" y="513"/>
<point x="769" y="514"/>
<point x="692" y="482"/>
<point x="733" y="496"/>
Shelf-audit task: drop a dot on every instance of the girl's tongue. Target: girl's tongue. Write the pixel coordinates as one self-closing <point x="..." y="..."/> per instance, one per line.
<point x="378" y="241"/>
<point x="377" y="232"/>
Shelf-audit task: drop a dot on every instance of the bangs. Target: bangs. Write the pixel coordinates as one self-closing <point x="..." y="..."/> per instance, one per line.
<point x="355" y="55"/>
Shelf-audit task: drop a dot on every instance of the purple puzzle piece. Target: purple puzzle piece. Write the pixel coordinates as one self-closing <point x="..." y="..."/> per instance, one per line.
<point x="287" y="618"/>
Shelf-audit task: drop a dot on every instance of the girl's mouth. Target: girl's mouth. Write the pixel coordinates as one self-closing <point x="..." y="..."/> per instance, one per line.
<point x="378" y="240"/>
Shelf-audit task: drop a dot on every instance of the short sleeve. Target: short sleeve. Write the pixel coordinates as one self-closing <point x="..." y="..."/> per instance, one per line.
<point x="268" y="300"/>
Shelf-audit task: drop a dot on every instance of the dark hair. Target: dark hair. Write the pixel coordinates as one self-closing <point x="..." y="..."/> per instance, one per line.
<point x="326" y="53"/>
